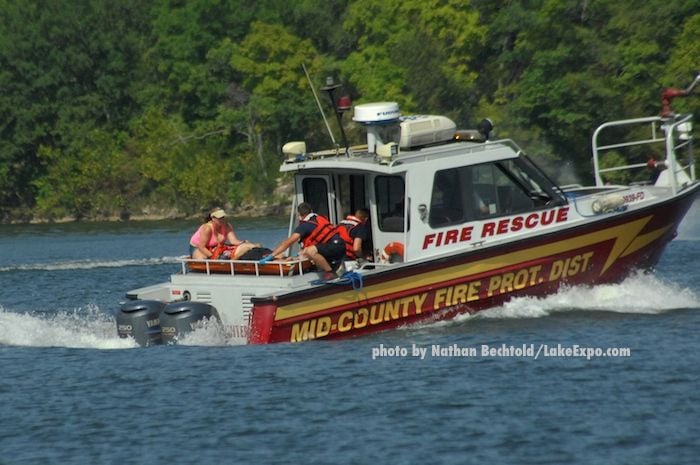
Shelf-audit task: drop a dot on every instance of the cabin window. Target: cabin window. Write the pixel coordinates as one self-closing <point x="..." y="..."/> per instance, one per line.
<point x="502" y="189"/>
<point x="390" y="196"/>
<point x="315" y="192"/>
<point x="538" y="185"/>
<point x="523" y="187"/>
<point x="351" y="194"/>
<point x="447" y="204"/>
<point x="469" y="193"/>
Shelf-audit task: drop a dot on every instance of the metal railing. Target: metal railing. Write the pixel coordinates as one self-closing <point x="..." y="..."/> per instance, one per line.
<point x="674" y="133"/>
<point x="282" y="268"/>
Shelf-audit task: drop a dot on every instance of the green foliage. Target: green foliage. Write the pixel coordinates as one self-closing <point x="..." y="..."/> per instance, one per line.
<point x="612" y="160"/>
<point x="279" y="106"/>
<point x="94" y="182"/>
<point x="179" y="167"/>
<point x="565" y="67"/>
<point x="67" y="69"/>
<point x="124" y="108"/>
<point x="683" y="61"/>
<point x="415" y="52"/>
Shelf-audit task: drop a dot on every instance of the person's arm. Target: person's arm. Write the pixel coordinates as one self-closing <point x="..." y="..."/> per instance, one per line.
<point x="483" y="208"/>
<point x="361" y="234"/>
<point x="357" y="247"/>
<point x="231" y="236"/>
<point x="285" y="244"/>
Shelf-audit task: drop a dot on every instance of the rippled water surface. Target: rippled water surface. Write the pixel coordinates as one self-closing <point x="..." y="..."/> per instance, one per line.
<point x="72" y="392"/>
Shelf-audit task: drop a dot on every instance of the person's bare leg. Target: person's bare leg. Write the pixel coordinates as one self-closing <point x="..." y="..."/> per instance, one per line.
<point x="317" y="258"/>
<point x="243" y="248"/>
<point x="198" y="255"/>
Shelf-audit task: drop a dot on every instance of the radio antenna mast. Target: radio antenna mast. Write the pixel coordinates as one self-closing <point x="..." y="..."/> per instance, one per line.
<point x="328" y="127"/>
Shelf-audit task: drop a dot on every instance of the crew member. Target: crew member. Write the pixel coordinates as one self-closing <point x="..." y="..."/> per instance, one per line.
<point x="319" y="240"/>
<point x="354" y="231"/>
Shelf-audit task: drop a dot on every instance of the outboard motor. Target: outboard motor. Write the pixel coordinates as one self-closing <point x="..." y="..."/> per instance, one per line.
<point x="140" y="319"/>
<point x="179" y="318"/>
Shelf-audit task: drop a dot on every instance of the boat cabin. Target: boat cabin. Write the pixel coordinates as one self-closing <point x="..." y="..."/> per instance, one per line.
<point x="429" y="187"/>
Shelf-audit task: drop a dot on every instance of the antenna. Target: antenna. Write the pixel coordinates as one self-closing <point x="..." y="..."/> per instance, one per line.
<point x="330" y="87"/>
<point x="330" y="133"/>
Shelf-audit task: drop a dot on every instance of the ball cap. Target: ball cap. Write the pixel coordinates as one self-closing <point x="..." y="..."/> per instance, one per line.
<point x="218" y="213"/>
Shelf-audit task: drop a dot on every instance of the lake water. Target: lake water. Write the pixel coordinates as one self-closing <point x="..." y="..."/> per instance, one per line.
<point x="72" y="392"/>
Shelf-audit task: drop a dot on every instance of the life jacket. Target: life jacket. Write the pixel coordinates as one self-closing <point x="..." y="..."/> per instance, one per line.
<point x="343" y="229"/>
<point x="322" y="233"/>
<point x="222" y="251"/>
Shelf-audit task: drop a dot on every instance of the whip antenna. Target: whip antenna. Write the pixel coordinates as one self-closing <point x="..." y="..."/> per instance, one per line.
<point x="328" y="127"/>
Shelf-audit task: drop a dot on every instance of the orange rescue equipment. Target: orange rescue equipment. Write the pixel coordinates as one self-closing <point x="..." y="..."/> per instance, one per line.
<point x="344" y="228"/>
<point x="393" y="253"/>
<point x="223" y="252"/>
<point x="323" y="232"/>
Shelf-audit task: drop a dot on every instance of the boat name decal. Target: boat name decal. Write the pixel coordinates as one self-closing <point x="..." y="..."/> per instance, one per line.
<point x="495" y="228"/>
<point x="440" y="298"/>
<point x="633" y="197"/>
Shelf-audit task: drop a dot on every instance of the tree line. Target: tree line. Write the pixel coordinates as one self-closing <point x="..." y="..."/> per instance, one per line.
<point x="120" y="108"/>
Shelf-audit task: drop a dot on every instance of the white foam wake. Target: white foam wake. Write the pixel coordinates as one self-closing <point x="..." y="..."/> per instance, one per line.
<point x="212" y="335"/>
<point x="92" y="328"/>
<point x="79" y="329"/>
<point x="640" y="293"/>
<point x="89" y="329"/>
<point x="89" y="264"/>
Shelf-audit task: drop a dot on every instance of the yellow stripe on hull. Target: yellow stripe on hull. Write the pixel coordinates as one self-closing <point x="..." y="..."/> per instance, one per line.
<point x="626" y="237"/>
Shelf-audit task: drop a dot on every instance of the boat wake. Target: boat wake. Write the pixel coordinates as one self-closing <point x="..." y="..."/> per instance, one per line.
<point x="92" y="328"/>
<point x="88" y="328"/>
<point x="641" y="293"/>
<point x="89" y="264"/>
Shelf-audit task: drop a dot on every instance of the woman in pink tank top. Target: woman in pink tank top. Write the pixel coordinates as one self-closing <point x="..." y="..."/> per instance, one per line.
<point x="214" y="232"/>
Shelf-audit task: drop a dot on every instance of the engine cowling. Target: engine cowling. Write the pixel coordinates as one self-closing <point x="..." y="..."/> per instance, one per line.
<point x="179" y="318"/>
<point x="140" y="320"/>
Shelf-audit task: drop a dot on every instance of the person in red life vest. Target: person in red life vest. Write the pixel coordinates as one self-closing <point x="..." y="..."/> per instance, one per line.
<point x="214" y="233"/>
<point x="319" y="240"/>
<point x="354" y="231"/>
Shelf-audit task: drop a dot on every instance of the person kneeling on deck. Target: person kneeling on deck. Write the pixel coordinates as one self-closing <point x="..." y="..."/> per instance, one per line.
<point x="319" y="240"/>
<point x="216" y="232"/>
<point x="354" y="231"/>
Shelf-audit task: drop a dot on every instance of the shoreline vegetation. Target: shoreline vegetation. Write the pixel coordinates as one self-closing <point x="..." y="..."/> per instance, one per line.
<point x="162" y="109"/>
<point x="277" y="204"/>
<point x="243" y="211"/>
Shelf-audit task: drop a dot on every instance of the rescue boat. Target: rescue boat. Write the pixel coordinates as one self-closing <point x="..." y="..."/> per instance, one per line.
<point x="460" y="223"/>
